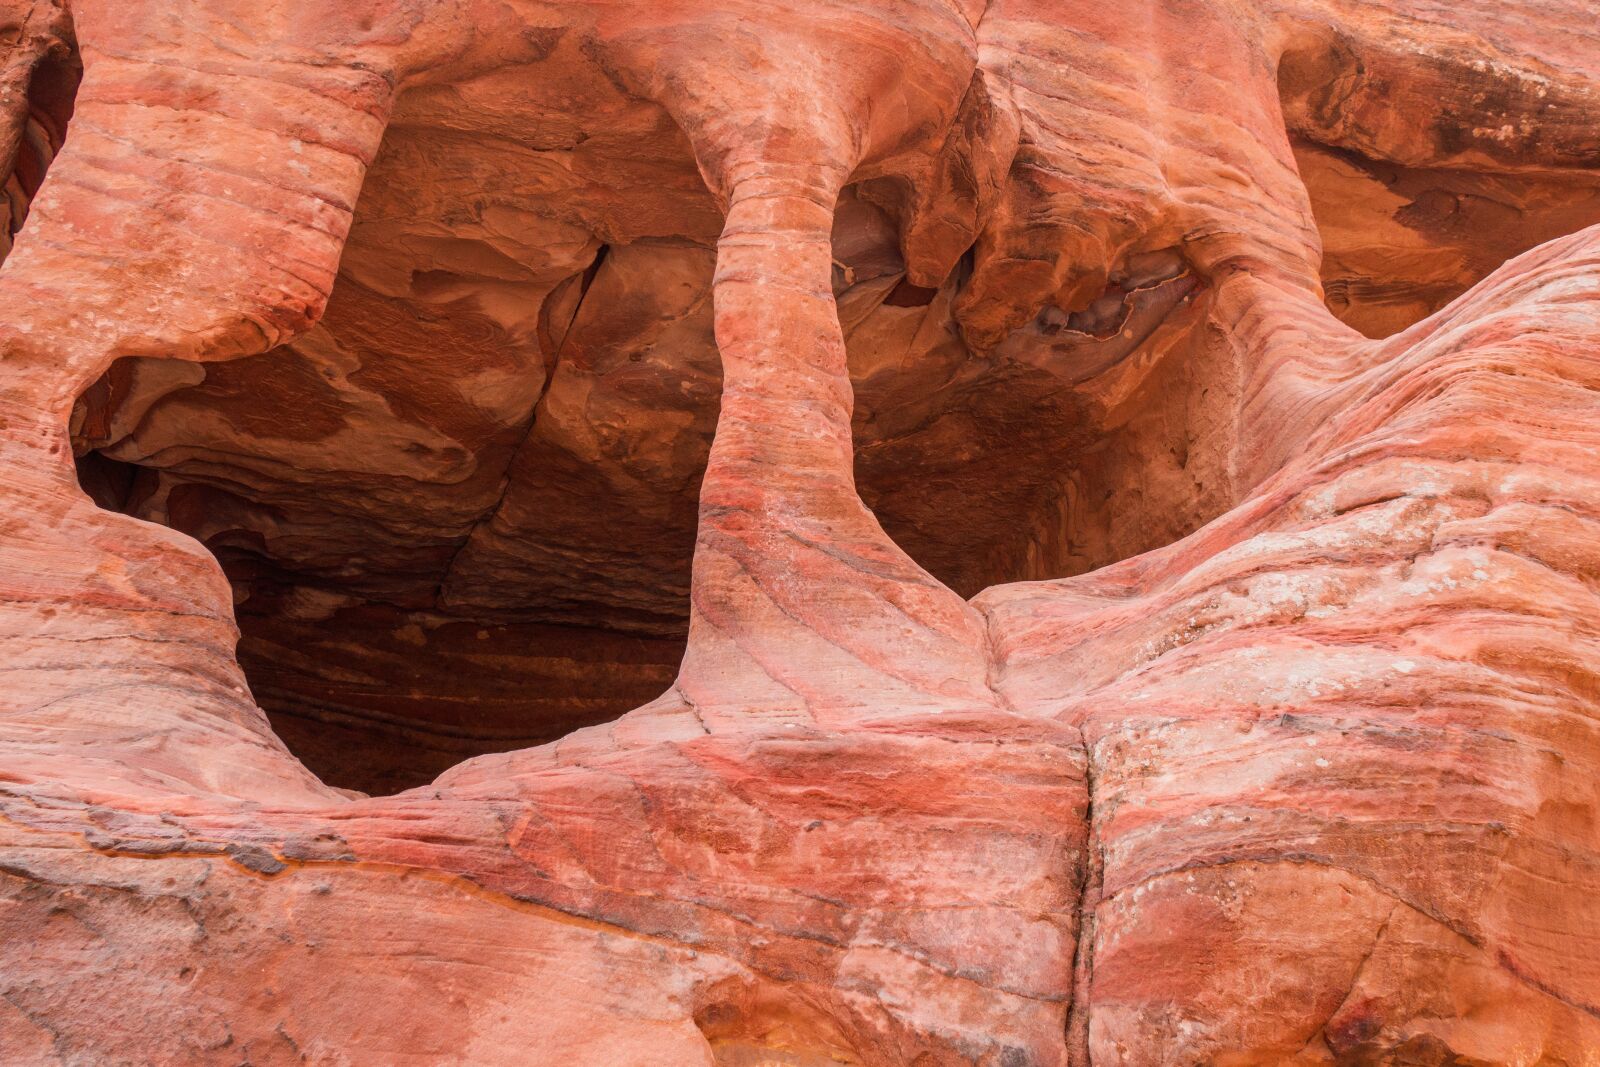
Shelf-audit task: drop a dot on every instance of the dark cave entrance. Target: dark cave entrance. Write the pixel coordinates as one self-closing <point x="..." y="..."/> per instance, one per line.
<point x="366" y="668"/>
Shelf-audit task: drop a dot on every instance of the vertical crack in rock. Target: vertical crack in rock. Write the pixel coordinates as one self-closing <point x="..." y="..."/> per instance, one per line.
<point x="1079" y="1050"/>
<point x="552" y="362"/>
<point x="1321" y="1036"/>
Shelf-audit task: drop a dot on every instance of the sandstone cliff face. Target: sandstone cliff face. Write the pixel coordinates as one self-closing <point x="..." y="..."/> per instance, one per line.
<point x="1092" y="509"/>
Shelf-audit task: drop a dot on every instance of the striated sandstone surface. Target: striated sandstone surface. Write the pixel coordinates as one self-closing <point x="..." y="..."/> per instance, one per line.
<point x="896" y="532"/>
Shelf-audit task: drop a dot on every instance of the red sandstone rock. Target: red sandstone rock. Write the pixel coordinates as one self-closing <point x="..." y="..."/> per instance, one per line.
<point x="1103" y="565"/>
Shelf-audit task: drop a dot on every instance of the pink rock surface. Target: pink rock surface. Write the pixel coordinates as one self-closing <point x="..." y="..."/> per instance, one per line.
<point x="1103" y="563"/>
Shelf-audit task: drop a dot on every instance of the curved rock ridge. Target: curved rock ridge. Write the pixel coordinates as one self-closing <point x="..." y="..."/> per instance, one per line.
<point x="1101" y="553"/>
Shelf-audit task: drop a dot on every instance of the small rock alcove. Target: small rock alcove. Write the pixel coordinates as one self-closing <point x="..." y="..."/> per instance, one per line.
<point x="343" y="576"/>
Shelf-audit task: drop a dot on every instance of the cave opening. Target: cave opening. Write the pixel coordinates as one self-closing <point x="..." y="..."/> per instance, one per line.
<point x="1409" y="213"/>
<point x="51" y="92"/>
<point x="378" y="660"/>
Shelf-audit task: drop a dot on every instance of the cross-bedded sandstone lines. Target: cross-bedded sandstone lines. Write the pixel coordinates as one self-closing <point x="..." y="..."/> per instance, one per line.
<point x="1288" y="759"/>
<point x="185" y="221"/>
<point x="1294" y="680"/>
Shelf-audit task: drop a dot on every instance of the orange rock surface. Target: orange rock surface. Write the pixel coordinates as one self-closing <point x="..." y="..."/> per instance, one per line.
<point x="885" y="532"/>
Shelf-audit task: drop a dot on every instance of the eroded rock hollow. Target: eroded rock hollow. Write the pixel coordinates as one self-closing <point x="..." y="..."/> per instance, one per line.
<point x="885" y="532"/>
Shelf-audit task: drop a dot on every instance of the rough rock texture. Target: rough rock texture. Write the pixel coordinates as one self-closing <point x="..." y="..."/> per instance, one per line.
<point x="1103" y="557"/>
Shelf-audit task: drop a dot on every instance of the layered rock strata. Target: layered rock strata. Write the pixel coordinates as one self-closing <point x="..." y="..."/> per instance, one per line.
<point x="1073" y="616"/>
